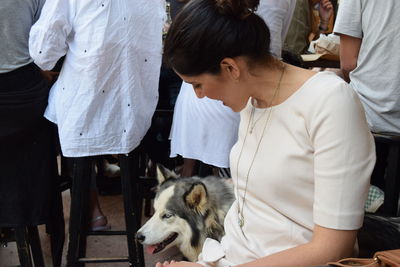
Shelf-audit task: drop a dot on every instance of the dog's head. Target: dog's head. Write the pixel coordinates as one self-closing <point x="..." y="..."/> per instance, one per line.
<point x="180" y="211"/>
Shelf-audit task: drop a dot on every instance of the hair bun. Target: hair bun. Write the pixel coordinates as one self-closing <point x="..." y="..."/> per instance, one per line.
<point x="238" y="8"/>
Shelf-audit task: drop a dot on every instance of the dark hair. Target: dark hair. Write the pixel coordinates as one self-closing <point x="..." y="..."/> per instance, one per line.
<point x="207" y="31"/>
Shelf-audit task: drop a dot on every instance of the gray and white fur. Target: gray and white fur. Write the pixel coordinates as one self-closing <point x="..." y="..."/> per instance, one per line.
<point x="187" y="211"/>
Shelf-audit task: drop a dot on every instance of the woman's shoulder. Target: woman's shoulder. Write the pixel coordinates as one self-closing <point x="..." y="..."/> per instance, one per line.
<point x="326" y="93"/>
<point x="326" y="84"/>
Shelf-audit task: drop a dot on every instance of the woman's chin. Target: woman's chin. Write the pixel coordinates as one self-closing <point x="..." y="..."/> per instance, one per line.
<point x="226" y="105"/>
<point x="235" y="109"/>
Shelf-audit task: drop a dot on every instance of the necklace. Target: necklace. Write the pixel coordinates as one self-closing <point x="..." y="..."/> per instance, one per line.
<point x="252" y="115"/>
<point x="253" y="124"/>
<point x="240" y="209"/>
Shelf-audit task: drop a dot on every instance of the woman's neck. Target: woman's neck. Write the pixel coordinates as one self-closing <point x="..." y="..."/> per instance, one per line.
<point x="267" y="84"/>
<point x="272" y="86"/>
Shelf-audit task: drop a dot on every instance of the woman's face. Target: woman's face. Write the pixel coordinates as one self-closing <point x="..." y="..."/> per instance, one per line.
<point x="219" y="87"/>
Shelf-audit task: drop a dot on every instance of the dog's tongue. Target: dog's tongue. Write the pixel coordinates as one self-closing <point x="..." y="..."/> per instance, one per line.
<point x="150" y="249"/>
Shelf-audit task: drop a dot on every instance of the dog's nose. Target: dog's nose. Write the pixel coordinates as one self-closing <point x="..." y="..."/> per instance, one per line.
<point x="140" y="237"/>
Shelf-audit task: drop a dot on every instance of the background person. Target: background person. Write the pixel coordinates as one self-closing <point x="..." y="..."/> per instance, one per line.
<point x="306" y="26"/>
<point x="301" y="166"/>
<point x="370" y="60"/>
<point x="107" y="90"/>
<point x="28" y="176"/>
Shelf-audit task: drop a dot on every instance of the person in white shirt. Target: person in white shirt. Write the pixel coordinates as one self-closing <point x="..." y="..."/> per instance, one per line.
<point x="204" y="129"/>
<point x="107" y="89"/>
<point x="304" y="155"/>
<point x="369" y="58"/>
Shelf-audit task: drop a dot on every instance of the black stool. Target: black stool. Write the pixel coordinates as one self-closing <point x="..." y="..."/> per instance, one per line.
<point x="28" y="244"/>
<point x="28" y="240"/>
<point x="79" y="206"/>
<point x="388" y="167"/>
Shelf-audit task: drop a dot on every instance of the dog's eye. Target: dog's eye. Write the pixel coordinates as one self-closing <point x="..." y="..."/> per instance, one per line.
<point x="167" y="215"/>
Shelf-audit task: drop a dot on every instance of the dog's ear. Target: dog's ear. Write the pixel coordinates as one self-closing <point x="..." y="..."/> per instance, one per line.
<point x="164" y="174"/>
<point x="196" y="197"/>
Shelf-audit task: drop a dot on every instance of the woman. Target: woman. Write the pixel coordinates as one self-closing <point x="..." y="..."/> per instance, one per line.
<point x="302" y="164"/>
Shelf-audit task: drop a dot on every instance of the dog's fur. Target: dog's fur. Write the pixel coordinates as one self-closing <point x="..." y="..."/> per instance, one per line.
<point x="187" y="211"/>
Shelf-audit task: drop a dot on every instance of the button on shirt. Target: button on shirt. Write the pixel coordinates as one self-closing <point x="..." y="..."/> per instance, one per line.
<point x="107" y="89"/>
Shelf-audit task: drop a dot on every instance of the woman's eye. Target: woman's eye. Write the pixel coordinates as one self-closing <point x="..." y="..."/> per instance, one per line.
<point x="167" y="215"/>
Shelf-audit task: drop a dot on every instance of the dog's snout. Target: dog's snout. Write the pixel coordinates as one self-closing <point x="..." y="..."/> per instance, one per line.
<point x="140" y="237"/>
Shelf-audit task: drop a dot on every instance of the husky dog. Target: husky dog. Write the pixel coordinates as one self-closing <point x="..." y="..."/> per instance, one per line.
<point x="187" y="211"/>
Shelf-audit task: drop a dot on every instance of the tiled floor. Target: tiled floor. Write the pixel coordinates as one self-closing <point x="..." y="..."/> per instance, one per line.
<point x="103" y="246"/>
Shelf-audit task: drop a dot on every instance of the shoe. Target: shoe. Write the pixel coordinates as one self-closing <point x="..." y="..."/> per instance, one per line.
<point x="375" y="199"/>
<point x="104" y="227"/>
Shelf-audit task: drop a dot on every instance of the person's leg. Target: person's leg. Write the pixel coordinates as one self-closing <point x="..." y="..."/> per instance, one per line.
<point x="188" y="167"/>
<point x="98" y="221"/>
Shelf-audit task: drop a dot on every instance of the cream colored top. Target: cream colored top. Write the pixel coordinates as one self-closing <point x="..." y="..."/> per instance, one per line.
<point x="313" y="167"/>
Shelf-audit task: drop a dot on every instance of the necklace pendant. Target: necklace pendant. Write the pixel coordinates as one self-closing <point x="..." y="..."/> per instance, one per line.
<point x="241" y="222"/>
<point x="251" y="129"/>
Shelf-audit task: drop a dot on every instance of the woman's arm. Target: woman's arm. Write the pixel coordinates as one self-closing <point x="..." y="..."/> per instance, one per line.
<point x="326" y="245"/>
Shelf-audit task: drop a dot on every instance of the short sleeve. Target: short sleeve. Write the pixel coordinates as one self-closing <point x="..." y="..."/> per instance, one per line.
<point x="344" y="157"/>
<point x="48" y="36"/>
<point x="349" y="18"/>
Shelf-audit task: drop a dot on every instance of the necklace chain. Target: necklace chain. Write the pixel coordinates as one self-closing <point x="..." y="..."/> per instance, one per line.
<point x="240" y="209"/>
<point x="252" y="115"/>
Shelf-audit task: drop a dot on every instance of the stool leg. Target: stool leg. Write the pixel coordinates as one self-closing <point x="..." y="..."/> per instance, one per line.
<point x="24" y="252"/>
<point x="130" y="194"/>
<point x="79" y="209"/>
<point x="57" y="230"/>
<point x="36" y="247"/>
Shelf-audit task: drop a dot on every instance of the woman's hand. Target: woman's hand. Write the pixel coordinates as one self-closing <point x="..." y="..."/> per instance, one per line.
<point x="178" y="264"/>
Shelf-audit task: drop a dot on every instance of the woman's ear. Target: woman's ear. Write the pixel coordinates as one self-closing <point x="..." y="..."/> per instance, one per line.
<point x="230" y="67"/>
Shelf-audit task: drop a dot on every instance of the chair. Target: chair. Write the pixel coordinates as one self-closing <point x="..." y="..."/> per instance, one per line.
<point x="378" y="233"/>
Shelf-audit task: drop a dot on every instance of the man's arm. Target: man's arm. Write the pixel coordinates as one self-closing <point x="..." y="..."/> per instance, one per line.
<point x="349" y="49"/>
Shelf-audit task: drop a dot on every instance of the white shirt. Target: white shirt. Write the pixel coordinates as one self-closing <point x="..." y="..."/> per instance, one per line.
<point x="313" y="167"/>
<point x="203" y="129"/>
<point x="277" y="15"/>
<point x="376" y="77"/>
<point x="107" y="90"/>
